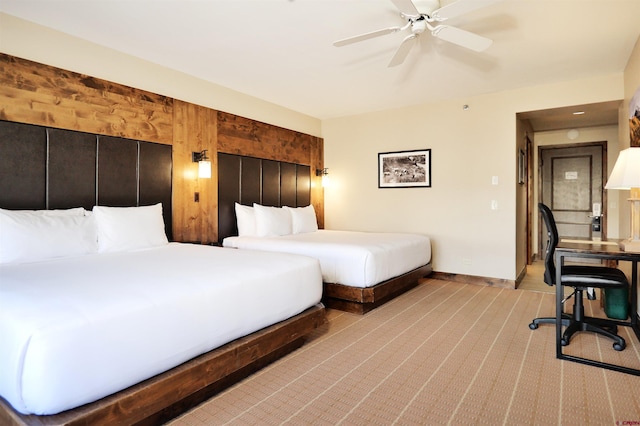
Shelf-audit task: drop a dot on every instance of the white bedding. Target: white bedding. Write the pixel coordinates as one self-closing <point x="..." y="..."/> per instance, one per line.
<point x="357" y="259"/>
<point x="74" y="330"/>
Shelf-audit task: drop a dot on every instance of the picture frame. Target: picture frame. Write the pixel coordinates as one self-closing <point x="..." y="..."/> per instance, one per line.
<point x="522" y="167"/>
<point x="404" y="169"/>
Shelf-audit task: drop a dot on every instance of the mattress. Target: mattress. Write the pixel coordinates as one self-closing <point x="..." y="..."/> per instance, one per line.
<point x="74" y="330"/>
<point x="357" y="259"/>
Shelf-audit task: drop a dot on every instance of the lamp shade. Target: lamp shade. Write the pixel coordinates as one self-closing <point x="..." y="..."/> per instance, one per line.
<point x="626" y="172"/>
<point x="204" y="169"/>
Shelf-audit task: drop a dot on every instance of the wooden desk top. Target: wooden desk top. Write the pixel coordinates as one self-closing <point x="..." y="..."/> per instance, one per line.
<point x="605" y="247"/>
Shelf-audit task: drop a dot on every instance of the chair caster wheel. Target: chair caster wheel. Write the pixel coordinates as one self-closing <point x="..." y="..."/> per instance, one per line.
<point x="619" y="347"/>
<point x="533" y="326"/>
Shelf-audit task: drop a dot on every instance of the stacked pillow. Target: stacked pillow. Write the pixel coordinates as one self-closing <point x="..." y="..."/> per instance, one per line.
<point x="31" y="235"/>
<point x="34" y="235"/>
<point x="129" y="228"/>
<point x="263" y="221"/>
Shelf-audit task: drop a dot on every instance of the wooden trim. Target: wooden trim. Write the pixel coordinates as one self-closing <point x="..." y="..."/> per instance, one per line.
<point x="362" y="300"/>
<point x="168" y="394"/>
<point x="521" y="276"/>
<point x="476" y="280"/>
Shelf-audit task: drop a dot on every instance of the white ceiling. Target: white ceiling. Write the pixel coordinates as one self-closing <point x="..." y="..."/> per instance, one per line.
<point x="281" y="50"/>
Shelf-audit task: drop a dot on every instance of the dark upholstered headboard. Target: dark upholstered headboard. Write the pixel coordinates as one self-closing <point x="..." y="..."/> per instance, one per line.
<point x="47" y="168"/>
<point x="248" y="180"/>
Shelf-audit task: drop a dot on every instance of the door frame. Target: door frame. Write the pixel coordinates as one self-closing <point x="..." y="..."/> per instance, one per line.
<point x="603" y="144"/>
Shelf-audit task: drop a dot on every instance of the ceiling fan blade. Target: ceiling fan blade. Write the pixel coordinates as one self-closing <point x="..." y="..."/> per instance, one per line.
<point x="403" y="50"/>
<point x="462" y="38"/>
<point x="406" y="7"/>
<point x="459" y="8"/>
<point x="366" y="36"/>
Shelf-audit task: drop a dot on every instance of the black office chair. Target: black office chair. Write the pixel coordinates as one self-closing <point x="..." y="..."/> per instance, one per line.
<point x="580" y="278"/>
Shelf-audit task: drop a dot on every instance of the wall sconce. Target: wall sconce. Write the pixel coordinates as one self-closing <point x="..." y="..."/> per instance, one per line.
<point x="204" y="165"/>
<point x="325" y="176"/>
<point x="626" y="175"/>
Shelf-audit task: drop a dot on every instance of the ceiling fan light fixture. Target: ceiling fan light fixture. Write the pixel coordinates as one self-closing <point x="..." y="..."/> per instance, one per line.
<point x="418" y="26"/>
<point x="419" y="21"/>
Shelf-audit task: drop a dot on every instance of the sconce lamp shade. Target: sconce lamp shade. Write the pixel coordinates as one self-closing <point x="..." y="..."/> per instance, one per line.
<point x="626" y="175"/>
<point x="325" y="176"/>
<point x="204" y="165"/>
<point x="626" y="172"/>
<point x="204" y="169"/>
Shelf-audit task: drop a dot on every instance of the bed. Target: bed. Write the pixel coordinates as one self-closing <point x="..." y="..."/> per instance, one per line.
<point x="360" y="270"/>
<point x="81" y="323"/>
<point x="64" y="287"/>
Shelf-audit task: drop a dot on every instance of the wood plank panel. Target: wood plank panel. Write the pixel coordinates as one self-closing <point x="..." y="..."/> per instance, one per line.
<point x="195" y="131"/>
<point x="316" y="152"/>
<point x="39" y="94"/>
<point x="243" y="136"/>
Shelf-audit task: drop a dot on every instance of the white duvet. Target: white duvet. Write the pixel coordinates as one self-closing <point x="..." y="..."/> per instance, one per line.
<point x="74" y="330"/>
<point x="357" y="259"/>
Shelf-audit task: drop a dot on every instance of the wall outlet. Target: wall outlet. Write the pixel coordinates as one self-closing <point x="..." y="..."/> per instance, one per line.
<point x="494" y="204"/>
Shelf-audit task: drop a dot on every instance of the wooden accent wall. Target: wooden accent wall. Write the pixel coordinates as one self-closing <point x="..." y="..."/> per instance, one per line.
<point x="39" y="94"/>
<point x="34" y="93"/>
<point x="243" y="136"/>
<point x="195" y="130"/>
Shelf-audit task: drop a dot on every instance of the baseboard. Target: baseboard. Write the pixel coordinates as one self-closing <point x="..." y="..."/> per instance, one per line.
<point x="474" y="279"/>
<point x="521" y="276"/>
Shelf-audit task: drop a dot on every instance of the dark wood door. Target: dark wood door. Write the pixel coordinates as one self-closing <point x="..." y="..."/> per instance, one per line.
<point x="572" y="182"/>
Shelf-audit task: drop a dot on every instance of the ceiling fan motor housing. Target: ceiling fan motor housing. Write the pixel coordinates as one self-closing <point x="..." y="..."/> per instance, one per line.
<point x="418" y="25"/>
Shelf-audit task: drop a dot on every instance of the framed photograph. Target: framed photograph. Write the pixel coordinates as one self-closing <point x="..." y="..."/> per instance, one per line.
<point x="404" y="169"/>
<point x="522" y="167"/>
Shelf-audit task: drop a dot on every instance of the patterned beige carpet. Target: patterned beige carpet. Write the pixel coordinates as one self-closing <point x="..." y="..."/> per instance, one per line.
<point x="443" y="353"/>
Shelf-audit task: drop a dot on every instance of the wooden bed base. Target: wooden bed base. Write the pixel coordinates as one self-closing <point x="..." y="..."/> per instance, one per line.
<point x="171" y="393"/>
<point x="361" y="300"/>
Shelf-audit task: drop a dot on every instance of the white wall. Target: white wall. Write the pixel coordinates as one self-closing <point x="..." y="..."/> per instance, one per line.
<point x="468" y="148"/>
<point x="27" y="40"/>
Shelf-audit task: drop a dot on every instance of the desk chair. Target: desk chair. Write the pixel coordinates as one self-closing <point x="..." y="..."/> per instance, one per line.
<point x="580" y="278"/>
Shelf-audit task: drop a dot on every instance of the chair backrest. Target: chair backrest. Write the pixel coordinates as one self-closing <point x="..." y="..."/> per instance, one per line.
<point x="552" y="233"/>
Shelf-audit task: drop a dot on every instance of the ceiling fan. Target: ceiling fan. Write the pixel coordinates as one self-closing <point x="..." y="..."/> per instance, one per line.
<point x="418" y="22"/>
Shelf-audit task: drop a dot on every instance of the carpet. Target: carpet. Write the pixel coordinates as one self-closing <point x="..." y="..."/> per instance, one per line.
<point x="442" y="353"/>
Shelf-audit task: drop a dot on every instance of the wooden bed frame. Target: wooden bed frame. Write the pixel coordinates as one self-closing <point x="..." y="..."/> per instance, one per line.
<point x="361" y="300"/>
<point x="123" y="172"/>
<point x="173" y="392"/>
<point x="248" y="180"/>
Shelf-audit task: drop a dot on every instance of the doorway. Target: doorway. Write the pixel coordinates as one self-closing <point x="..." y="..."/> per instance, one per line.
<point x="571" y="183"/>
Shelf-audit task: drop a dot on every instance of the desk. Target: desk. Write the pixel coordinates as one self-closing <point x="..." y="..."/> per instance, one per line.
<point x="596" y="251"/>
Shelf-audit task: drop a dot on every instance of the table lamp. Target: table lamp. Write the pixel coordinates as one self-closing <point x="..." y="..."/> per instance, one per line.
<point x="626" y="175"/>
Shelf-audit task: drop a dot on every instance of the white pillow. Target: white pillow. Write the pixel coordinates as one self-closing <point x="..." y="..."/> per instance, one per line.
<point x="246" y="220"/>
<point x="303" y="219"/>
<point x="76" y="211"/>
<point x="271" y="221"/>
<point x="129" y="228"/>
<point x="30" y="236"/>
